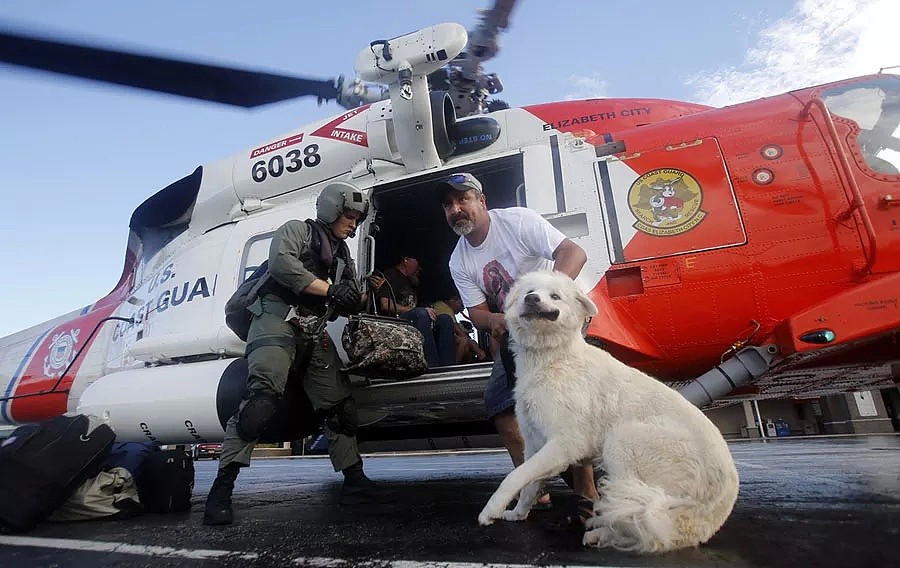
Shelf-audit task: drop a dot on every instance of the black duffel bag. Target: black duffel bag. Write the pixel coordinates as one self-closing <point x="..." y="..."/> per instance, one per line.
<point x="42" y="464"/>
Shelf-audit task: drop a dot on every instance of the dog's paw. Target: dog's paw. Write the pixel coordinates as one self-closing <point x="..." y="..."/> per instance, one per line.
<point x="593" y="522"/>
<point x="491" y="512"/>
<point x="485" y="519"/>
<point x="598" y="537"/>
<point x="515" y="515"/>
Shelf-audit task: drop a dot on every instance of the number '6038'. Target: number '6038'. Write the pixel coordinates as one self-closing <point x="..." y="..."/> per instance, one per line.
<point x="290" y="162"/>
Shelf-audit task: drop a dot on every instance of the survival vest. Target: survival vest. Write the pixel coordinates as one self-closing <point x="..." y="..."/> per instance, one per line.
<point x="318" y="259"/>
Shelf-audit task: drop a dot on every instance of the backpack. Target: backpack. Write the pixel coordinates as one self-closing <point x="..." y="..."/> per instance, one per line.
<point x="237" y="316"/>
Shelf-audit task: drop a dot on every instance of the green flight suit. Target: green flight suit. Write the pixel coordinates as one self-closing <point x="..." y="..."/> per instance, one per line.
<point x="327" y="387"/>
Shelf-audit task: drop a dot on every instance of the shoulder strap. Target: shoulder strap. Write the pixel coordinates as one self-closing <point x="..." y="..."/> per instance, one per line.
<point x="259" y="283"/>
<point x="340" y="268"/>
<point x="313" y="236"/>
<point x="319" y="242"/>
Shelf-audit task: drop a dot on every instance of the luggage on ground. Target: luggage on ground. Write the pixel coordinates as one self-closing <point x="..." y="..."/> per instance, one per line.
<point x="42" y="464"/>
<point x="167" y="482"/>
<point x="110" y="494"/>
<point x="132" y="456"/>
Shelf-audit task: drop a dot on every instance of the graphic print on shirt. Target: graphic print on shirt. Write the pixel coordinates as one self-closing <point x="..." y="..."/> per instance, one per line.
<point x="497" y="283"/>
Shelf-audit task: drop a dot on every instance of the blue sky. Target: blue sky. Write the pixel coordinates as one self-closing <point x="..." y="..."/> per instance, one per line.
<point x="77" y="158"/>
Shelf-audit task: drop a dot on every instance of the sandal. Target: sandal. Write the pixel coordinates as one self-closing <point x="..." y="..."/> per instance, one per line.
<point x="578" y="510"/>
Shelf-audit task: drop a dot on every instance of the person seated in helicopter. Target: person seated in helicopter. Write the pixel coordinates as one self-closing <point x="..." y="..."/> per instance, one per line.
<point x="399" y="296"/>
<point x="467" y="349"/>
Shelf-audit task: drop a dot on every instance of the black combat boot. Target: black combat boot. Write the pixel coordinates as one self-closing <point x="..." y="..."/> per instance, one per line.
<point x="357" y="487"/>
<point x="218" y="502"/>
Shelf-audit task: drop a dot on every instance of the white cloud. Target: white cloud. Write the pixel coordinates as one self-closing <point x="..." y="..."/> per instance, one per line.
<point x="587" y="87"/>
<point x="819" y="41"/>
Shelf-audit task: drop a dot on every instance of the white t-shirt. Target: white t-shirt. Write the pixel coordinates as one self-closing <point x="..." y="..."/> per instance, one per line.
<point x="519" y="241"/>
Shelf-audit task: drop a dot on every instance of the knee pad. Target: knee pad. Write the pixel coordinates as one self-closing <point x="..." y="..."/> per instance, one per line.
<point x="344" y="419"/>
<point x="255" y="415"/>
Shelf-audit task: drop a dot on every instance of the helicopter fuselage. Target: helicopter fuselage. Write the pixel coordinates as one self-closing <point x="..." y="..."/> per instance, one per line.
<point x="772" y="222"/>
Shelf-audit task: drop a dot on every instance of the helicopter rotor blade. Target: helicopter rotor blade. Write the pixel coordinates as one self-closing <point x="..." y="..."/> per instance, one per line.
<point x="225" y="85"/>
<point x="483" y="40"/>
<point x="465" y="79"/>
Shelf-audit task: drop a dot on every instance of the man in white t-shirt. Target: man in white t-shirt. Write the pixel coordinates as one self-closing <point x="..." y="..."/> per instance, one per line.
<point x="495" y="248"/>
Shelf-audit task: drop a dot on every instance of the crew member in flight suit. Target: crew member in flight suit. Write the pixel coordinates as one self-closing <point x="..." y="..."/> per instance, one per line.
<point x="305" y="279"/>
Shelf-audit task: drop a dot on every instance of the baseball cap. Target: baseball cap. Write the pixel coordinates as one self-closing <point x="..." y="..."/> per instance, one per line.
<point x="459" y="182"/>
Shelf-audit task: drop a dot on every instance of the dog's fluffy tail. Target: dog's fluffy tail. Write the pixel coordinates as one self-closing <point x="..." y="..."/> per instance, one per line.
<point x="636" y="517"/>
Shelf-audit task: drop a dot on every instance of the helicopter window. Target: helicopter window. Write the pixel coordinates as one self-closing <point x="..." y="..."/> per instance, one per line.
<point x="875" y="107"/>
<point x="255" y="253"/>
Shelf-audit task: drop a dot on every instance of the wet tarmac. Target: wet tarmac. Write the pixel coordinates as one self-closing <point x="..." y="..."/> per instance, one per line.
<point x="803" y="502"/>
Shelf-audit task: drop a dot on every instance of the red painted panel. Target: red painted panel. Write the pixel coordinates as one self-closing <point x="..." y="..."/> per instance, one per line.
<point x="56" y="352"/>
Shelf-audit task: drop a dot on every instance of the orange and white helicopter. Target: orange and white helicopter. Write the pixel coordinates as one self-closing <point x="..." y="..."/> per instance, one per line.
<point x="746" y="251"/>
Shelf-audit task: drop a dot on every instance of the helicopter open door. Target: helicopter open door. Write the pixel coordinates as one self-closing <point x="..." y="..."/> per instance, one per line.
<point x="409" y="221"/>
<point x="653" y="209"/>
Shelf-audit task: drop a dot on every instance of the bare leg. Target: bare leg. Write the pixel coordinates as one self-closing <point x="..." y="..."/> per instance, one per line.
<point x="462" y="348"/>
<point x="583" y="476"/>
<point x="508" y="429"/>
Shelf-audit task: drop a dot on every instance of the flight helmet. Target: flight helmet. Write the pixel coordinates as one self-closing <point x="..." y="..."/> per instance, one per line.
<point x="337" y="197"/>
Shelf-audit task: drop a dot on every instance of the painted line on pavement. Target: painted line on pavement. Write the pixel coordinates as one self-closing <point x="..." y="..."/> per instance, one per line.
<point x="321" y="562"/>
<point x="122" y="548"/>
<point x="201" y="554"/>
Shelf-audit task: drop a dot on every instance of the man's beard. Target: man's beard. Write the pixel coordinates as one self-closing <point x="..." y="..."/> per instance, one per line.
<point x="463" y="227"/>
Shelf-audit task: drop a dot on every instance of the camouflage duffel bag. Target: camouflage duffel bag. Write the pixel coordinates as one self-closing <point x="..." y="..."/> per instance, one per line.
<point x="383" y="347"/>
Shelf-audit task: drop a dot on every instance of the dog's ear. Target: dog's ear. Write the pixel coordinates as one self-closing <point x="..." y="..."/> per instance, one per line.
<point x="590" y="309"/>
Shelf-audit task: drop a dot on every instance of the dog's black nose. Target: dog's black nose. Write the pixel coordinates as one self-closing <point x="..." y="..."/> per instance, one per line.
<point x="532" y="299"/>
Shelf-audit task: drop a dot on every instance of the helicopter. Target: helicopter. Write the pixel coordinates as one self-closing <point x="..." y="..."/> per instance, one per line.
<point x="754" y="246"/>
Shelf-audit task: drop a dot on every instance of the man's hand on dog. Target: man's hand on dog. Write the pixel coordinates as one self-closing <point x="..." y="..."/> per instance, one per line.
<point x="498" y="326"/>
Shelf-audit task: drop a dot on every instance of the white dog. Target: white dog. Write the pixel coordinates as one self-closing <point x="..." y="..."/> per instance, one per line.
<point x="671" y="479"/>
